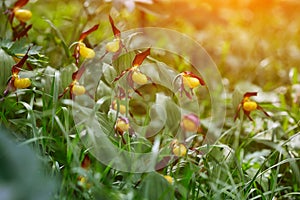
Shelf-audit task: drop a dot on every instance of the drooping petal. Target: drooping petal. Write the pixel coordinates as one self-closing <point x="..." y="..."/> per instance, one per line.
<point x="77" y="75"/>
<point x="237" y="111"/>
<point x="17" y="67"/>
<point x="9" y="87"/>
<point x="261" y="109"/>
<point x="19" y="34"/>
<point x="247" y="113"/>
<point x="64" y="92"/>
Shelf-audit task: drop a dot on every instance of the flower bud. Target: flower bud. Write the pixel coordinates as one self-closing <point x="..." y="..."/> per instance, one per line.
<point x="139" y="78"/>
<point x="113" y="46"/>
<point x="190" y="123"/>
<point x="190" y="82"/>
<point x="21" y="83"/>
<point x="169" y="179"/>
<point x="249" y="106"/>
<point x="23" y="15"/>
<point x="78" y="90"/>
<point x="179" y="150"/>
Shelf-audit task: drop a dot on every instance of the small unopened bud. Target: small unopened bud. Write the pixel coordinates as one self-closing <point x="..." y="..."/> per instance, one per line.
<point x="190" y="123"/>
<point x="21" y="83"/>
<point x="23" y="15"/>
<point x="139" y="78"/>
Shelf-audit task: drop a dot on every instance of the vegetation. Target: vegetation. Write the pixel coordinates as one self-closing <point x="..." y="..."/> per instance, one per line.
<point x="114" y="109"/>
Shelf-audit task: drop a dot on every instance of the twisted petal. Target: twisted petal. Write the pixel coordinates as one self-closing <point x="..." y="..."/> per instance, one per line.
<point x="140" y="57"/>
<point x="86" y="33"/>
<point x="116" y="31"/>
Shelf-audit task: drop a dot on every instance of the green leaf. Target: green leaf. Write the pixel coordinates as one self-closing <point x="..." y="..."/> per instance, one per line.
<point x="6" y="63"/>
<point x="21" y="172"/>
<point x="60" y="36"/>
<point x="109" y="73"/>
<point x="294" y="76"/>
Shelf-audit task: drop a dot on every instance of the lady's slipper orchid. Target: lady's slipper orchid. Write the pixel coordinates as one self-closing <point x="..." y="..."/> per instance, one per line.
<point x="74" y="87"/>
<point x="189" y="80"/>
<point x="22" y="15"/>
<point x="248" y="106"/>
<point x="15" y="82"/>
<point x="134" y="73"/>
<point x="122" y="126"/>
<point x="190" y="123"/>
<point x="81" y="49"/>
<point x="116" y="45"/>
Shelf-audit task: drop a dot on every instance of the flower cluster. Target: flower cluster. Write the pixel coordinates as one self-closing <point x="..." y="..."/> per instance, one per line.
<point x="74" y="87"/>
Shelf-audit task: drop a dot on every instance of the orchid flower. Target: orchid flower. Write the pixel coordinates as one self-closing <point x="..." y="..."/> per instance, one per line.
<point x="116" y="45"/>
<point x="15" y="82"/>
<point x="81" y="49"/>
<point x="122" y="126"/>
<point x="74" y="87"/>
<point x="22" y="15"/>
<point x="188" y="80"/>
<point x="134" y="73"/>
<point x="248" y="106"/>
